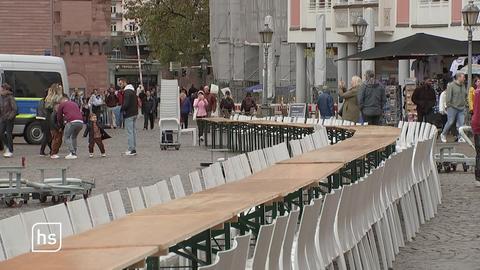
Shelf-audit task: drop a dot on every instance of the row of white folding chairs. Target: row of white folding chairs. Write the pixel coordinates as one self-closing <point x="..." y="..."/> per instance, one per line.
<point x="310" y="142"/>
<point x="287" y="119"/>
<point x="75" y="216"/>
<point x="273" y="247"/>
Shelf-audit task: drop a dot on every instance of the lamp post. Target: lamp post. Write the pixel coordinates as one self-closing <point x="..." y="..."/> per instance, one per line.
<point x="204" y="66"/>
<point x="470" y="16"/>
<point x="266" y="35"/>
<point x="133" y="26"/>
<point x="359" y="28"/>
<point x="148" y="66"/>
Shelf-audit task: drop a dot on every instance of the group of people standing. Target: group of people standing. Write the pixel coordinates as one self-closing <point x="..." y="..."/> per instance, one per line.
<point x="363" y="101"/>
<point x="62" y="120"/>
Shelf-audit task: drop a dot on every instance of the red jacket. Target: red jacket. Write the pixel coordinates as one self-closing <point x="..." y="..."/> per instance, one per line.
<point x="476" y="112"/>
<point x="68" y="111"/>
<point x="121" y="97"/>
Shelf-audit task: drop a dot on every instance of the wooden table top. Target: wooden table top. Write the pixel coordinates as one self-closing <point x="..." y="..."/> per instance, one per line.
<point x="81" y="259"/>
<point x="126" y="241"/>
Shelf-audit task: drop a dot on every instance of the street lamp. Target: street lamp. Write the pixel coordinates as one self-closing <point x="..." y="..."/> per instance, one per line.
<point x="359" y="28"/>
<point x="133" y="26"/>
<point x="266" y="35"/>
<point x="470" y="17"/>
<point x="204" y="66"/>
<point x="148" y="66"/>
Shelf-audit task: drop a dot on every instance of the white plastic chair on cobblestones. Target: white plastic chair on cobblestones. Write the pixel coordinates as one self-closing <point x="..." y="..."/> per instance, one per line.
<point x="151" y="195"/>
<point x="14" y="237"/>
<point x="164" y="191"/>
<point x="79" y="216"/>
<point x="209" y="178"/>
<point x="218" y="173"/>
<point x="178" y="190"/>
<point x="98" y="210"/>
<point x="136" y="200"/>
<point x="59" y="214"/>
<point x="116" y="204"/>
<point x="195" y="181"/>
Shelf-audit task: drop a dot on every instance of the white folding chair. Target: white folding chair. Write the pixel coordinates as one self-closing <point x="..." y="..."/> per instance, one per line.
<point x="236" y="164"/>
<point x="98" y="210"/>
<point x="164" y="191"/>
<point x="307" y="144"/>
<point x="136" y="200"/>
<point x="287" y="245"/>
<point x="218" y="173"/>
<point x="296" y="148"/>
<point x="262" y="248"/>
<point x="59" y="214"/>
<point x="2" y="255"/>
<point x="281" y="152"/>
<point x="33" y="218"/>
<point x="300" y="120"/>
<point x="243" y="246"/>
<point x="254" y="161"/>
<point x="116" y="204"/>
<point x="79" y="216"/>
<point x="209" y="178"/>
<point x="178" y="190"/>
<point x="226" y="257"/>
<point x="229" y="169"/>
<point x="151" y="195"/>
<point x="14" y="236"/>
<point x="195" y="181"/>
<point x="262" y="159"/>
<point x="269" y="156"/>
<point x="247" y="171"/>
<point x="304" y="233"/>
<point x="278" y="238"/>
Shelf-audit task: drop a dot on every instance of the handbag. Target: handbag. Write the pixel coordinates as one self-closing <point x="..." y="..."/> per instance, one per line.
<point x="195" y="110"/>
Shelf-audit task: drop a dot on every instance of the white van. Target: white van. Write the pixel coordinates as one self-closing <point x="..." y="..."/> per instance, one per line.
<point x="30" y="76"/>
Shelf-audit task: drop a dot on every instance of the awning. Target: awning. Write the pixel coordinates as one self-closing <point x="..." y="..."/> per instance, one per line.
<point x="415" y="46"/>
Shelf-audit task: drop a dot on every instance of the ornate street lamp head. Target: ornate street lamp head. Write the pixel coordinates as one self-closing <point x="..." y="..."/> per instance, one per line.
<point x="266" y="35"/>
<point x="359" y="27"/>
<point x="470" y="14"/>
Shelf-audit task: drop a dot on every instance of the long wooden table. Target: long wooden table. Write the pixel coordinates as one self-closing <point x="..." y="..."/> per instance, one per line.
<point x="129" y="240"/>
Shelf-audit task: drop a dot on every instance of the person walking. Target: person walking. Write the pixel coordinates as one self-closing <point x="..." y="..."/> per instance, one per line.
<point x="96" y="134"/>
<point x="371" y="99"/>
<point x="148" y="110"/>
<point x="55" y="94"/>
<point x="455" y="98"/>
<point x="350" y="111"/>
<point x="325" y="104"/>
<point x="200" y="104"/>
<point x="119" y="115"/>
<point x="248" y="105"/>
<point x="476" y="132"/>
<point x="8" y="112"/>
<point x="130" y="111"/>
<point x="227" y="105"/>
<point x="185" y="108"/>
<point x="425" y="98"/>
<point x="69" y="113"/>
<point x="43" y="117"/>
<point x="211" y="99"/>
<point x="111" y="100"/>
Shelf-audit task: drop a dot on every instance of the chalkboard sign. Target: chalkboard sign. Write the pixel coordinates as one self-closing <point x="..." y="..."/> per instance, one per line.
<point x="297" y="110"/>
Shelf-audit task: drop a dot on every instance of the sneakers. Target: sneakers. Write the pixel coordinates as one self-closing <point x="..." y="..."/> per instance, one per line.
<point x="54" y="156"/>
<point x="461" y="140"/>
<point x="71" y="156"/>
<point x="443" y="138"/>
<point x="90" y="155"/>
<point x="131" y="153"/>
<point x="7" y="154"/>
<point x="104" y="155"/>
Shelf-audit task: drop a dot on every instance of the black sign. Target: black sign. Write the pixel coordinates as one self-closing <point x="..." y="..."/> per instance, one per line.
<point x="297" y="110"/>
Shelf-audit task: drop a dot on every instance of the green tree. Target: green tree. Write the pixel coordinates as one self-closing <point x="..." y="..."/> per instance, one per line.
<point x="176" y="30"/>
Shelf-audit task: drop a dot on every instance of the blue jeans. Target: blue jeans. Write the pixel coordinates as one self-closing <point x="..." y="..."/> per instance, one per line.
<point x="454" y="115"/>
<point x="118" y="116"/>
<point x="131" y="132"/>
<point x="70" y="133"/>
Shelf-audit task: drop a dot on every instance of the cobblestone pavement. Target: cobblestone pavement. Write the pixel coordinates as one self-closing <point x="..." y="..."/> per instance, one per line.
<point x="116" y="171"/>
<point x="451" y="240"/>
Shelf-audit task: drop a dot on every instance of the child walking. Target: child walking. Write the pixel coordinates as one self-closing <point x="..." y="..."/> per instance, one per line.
<point x="96" y="135"/>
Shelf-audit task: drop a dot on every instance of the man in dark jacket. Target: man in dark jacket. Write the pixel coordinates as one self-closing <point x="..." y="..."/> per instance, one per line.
<point x="130" y="110"/>
<point x="371" y="99"/>
<point x="424" y="97"/>
<point x="325" y="104"/>
<point x="148" y="107"/>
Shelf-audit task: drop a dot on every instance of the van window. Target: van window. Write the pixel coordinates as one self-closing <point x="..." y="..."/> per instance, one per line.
<point x="31" y="84"/>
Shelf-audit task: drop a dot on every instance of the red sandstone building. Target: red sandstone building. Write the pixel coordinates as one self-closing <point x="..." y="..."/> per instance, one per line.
<point x="77" y="30"/>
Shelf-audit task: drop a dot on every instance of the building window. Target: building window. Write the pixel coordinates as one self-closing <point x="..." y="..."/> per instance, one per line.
<point x="113" y="9"/>
<point x="113" y="27"/>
